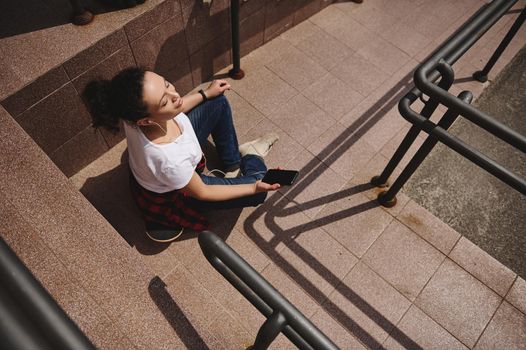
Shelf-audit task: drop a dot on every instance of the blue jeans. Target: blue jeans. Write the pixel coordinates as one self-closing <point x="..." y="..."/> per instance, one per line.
<point x="215" y="117"/>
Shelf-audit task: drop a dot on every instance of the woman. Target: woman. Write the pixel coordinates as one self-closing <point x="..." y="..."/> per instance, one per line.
<point x="165" y="132"/>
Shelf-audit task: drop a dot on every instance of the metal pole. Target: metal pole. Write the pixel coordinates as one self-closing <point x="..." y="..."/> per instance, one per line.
<point x="16" y="330"/>
<point x="424" y="77"/>
<point x="482" y="75"/>
<point x="236" y="72"/>
<point x="445" y="83"/>
<point x="40" y="307"/>
<point x="450" y="51"/>
<point x="388" y="198"/>
<point x="269" y="331"/>
<point x="255" y="299"/>
<point x="461" y="148"/>
<point x="299" y="329"/>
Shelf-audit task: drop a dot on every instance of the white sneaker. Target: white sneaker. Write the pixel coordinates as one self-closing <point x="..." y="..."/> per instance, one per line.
<point x="259" y="147"/>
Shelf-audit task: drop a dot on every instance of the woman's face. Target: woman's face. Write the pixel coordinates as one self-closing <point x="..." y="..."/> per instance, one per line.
<point x="162" y="100"/>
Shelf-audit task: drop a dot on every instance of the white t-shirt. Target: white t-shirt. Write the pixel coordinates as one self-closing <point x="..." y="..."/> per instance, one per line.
<point x="165" y="167"/>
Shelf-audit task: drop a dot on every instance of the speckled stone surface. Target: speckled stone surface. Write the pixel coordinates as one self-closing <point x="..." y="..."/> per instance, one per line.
<point x="306" y="261"/>
<point x="354" y="220"/>
<point x="422" y="331"/>
<point x="161" y="50"/>
<point x="29" y="48"/>
<point x="517" y="294"/>
<point x="342" y="151"/>
<point x="305" y="10"/>
<point x="429" y="227"/>
<point x="148" y="20"/>
<point x="204" y="23"/>
<point x="324" y="48"/>
<point x="481" y="265"/>
<point x="79" y="151"/>
<point x="55" y="119"/>
<point x="403" y="259"/>
<point x="507" y="330"/>
<point x="458" y="302"/>
<point x="94" y="54"/>
<point x="325" y="243"/>
<point x="367" y="305"/>
<point x="251" y="31"/>
<point x="296" y="69"/>
<point x="290" y="290"/>
<point x="78" y="235"/>
<point x="300" y="110"/>
<point x="210" y="59"/>
<point x="279" y="16"/>
<point x="60" y="231"/>
<point x="58" y="280"/>
<point x="246" y="117"/>
<point x="314" y="182"/>
<point x="106" y="68"/>
<point x="264" y="90"/>
<point x="335" y="331"/>
<point x="34" y="92"/>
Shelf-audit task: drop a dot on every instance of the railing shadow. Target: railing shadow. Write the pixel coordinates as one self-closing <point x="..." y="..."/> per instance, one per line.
<point x="275" y="207"/>
<point x="175" y="316"/>
<point x="109" y="192"/>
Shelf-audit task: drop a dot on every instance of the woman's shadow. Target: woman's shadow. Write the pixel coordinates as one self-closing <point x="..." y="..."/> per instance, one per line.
<point x="110" y="194"/>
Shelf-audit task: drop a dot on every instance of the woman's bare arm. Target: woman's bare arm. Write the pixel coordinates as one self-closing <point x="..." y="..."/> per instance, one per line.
<point x="190" y="101"/>
<point x="216" y="88"/>
<point x="196" y="188"/>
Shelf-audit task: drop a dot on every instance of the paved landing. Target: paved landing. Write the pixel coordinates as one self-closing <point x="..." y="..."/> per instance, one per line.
<point x="367" y="276"/>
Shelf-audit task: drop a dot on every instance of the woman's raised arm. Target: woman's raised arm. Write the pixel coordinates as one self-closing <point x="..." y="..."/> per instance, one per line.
<point x="216" y="88"/>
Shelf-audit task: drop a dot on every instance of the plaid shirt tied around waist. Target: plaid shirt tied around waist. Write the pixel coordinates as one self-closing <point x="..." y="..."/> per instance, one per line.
<point x="171" y="209"/>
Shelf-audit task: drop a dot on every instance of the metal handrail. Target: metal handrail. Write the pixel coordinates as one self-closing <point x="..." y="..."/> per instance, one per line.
<point x="30" y="318"/>
<point x="450" y="51"/>
<point x="281" y="315"/>
<point x="438" y="65"/>
<point x="482" y="75"/>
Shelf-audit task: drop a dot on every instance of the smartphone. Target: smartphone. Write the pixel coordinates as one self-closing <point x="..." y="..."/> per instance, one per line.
<point x="282" y="177"/>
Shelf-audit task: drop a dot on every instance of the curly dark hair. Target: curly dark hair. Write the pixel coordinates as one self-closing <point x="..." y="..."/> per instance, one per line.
<point x="118" y="98"/>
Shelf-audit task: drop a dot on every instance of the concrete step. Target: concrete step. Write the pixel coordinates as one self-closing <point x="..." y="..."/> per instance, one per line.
<point x="114" y="295"/>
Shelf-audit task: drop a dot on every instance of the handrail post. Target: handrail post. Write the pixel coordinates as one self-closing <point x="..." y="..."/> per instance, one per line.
<point x="388" y="198"/>
<point x="448" y="77"/>
<point x="297" y="328"/>
<point x="424" y="79"/>
<point x="482" y="75"/>
<point x="236" y="72"/>
<point x="269" y="331"/>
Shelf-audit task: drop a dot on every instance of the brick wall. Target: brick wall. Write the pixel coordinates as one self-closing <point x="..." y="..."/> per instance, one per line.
<point x="182" y="40"/>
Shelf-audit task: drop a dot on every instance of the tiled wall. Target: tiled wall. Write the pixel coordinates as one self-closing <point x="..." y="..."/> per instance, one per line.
<point x="182" y="40"/>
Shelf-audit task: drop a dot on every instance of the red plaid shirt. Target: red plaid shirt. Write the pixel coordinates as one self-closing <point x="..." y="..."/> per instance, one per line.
<point x="170" y="209"/>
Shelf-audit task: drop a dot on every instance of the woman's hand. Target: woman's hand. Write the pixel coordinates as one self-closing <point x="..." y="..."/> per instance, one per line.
<point x="265" y="187"/>
<point x="216" y="88"/>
